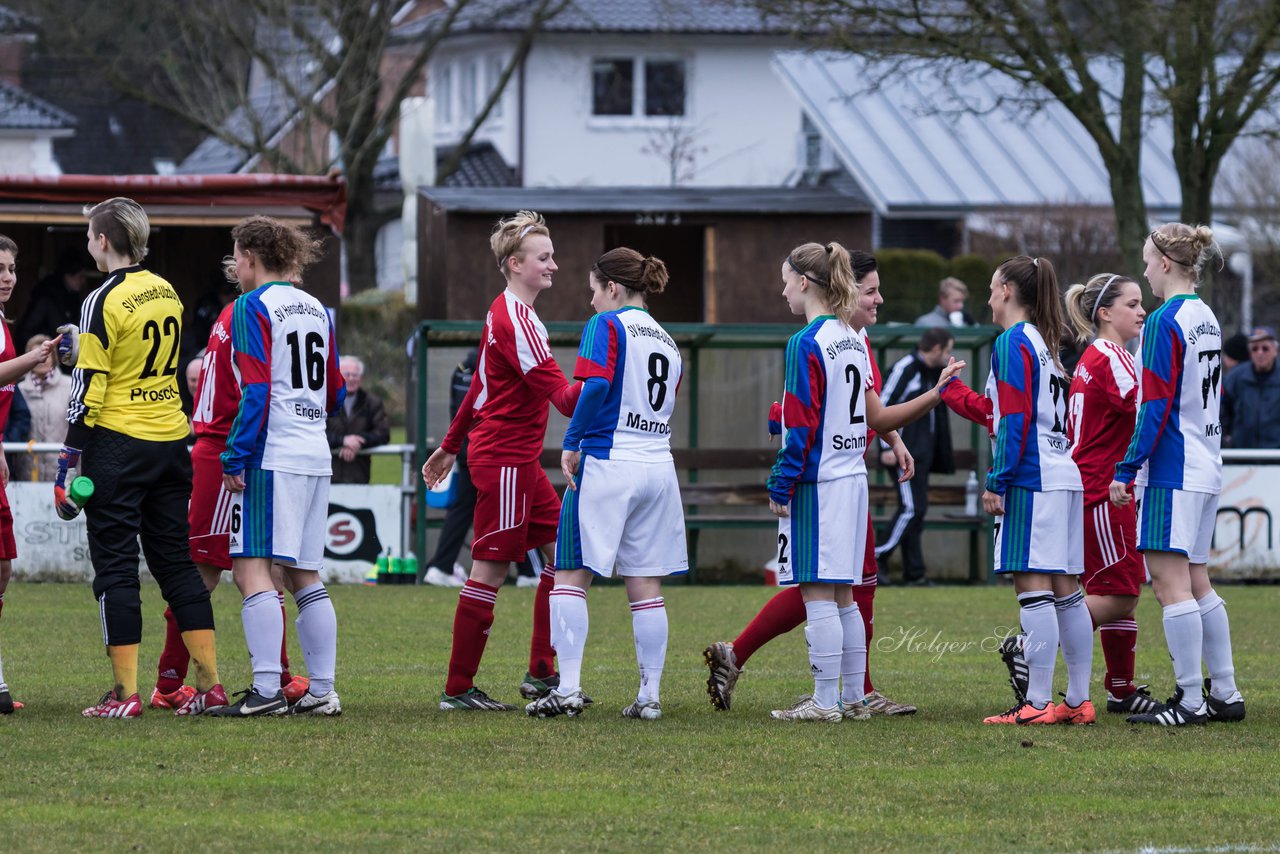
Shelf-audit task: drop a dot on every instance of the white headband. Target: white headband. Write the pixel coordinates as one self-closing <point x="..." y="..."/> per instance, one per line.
<point x="502" y="264"/>
<point x="1098" y="304"/>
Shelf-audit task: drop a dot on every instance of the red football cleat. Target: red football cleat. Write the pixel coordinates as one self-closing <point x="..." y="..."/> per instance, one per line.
<point x="111" y="706"/>
<point x="1024" y="714"/>
<point x="173" y="700"/>
<point x="297" y="686"/>
<point x="202" y="701"/>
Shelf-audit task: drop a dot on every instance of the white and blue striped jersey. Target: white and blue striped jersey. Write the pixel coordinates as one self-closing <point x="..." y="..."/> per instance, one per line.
<point x="824" y="407"/>
<point x="1029" y="396"/>
<point x="1177" y="442"/>
<point x="630" y="419"/>
<point x="285" y="357"/>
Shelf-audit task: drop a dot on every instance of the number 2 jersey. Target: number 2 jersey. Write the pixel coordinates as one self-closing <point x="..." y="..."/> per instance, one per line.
<point x="1028" y="392"/>
<point x="285" y="358"/>
<point x="125" y="376"/>
<point x="641" y="364"/>
<point x="1177" y="443"/>
<point x="824" y="407"/>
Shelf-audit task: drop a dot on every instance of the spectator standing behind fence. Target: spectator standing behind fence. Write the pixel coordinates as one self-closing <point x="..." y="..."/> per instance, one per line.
<point x="56" y="298"/>
<point x="361" y="422"/>
<point x="949" y="311"/>
<point x="928" y="440"/>
<point x="1251" y="396"/>
<point x="47" y="391"/>
<point x="18" y="430"/>
<point x="1235" y="351"/>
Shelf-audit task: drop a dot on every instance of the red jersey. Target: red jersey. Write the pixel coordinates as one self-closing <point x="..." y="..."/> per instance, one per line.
<point x="1100" y="420"/>
<point x="877" y="382"/>
<point x="505" y="411"/>
<point x="218" y="394"/>
<point x="7" y="352"/>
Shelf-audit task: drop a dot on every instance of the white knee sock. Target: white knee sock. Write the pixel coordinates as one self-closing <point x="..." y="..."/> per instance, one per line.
<point x="263" y="634"/>
<point x="318" y="636"/>
<point x="1217" y="645"/>
<point x="649" y="625"/>
<point x="3" y="686"/>
<point x="569" y="626"/>
<point x="1184" y="633"/>
<point x="1075" y="634"/>
<point x="825" y="638"/>
<point x="1040" y="625"/>
<point x="853" y="655"/>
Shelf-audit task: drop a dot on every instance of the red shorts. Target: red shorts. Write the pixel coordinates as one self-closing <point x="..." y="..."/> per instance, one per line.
<point x="870" y="569"/>
<point x="1113" y="566"/>
<point x="8" y="548"/>
<point x="209" y="515"/>
<point x="516" y="510"/>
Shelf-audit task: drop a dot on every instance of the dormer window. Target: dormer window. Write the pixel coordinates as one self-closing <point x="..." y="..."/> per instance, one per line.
<point x="627" y="86"/>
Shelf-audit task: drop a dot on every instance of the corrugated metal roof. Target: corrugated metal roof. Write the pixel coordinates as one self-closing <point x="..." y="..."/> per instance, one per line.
<point x="615" y="16"/>
<point x="730" y="200"/>
<point x="20" y="110"/>
<point x="912" y="144"/>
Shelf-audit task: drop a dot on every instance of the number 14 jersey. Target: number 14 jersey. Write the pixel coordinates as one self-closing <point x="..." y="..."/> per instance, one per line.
<point x="1029" y="395"/>
<point x="285" y="357"/>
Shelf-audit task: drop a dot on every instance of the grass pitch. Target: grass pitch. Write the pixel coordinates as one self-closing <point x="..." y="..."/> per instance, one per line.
<point x="395" y="773"/>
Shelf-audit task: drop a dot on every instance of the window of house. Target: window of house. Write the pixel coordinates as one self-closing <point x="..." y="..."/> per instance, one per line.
<point x="443" y="91"/>
<point x="637" y="87"/>
<point x="468" y="85"/>
<point x="494" y="75"/>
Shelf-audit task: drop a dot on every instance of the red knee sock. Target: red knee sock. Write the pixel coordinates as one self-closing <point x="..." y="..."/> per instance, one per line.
<point x="864" y="596"/>
<point x="779" y="615"/>
<point x="174" y="659"/>
<point x="471" y="624"/>
<point x="285" y="676"/>
<point x="1119" y="640"/>
<point x="542" y="658"/>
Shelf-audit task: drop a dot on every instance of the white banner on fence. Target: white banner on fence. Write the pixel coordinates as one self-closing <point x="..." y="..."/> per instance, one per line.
<point x="363" y="521"/>
<point x="1244" y="541"/>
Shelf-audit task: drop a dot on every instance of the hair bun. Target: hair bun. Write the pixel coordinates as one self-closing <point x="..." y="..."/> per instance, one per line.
<point x="830" y="248"/>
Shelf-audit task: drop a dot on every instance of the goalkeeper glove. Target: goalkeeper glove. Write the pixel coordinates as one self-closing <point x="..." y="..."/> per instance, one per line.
<point x="69" y="346"/>
<point x="68" y="459"/>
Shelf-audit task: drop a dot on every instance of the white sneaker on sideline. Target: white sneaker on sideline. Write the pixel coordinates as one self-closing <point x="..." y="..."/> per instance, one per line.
<point x="526" y="581"/>
<point x="460" y="574"/>
<point x="438" y="578"/>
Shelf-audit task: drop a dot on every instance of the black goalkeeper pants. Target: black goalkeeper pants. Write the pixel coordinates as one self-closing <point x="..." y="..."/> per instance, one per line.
<point x="141" y="491"/>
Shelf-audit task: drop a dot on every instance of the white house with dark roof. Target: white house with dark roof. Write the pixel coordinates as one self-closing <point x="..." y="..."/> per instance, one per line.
<point x="28" y="125"/>
<point x="622" y="93"/>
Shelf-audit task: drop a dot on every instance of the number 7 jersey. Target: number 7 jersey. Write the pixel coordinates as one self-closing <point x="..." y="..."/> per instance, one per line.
<point x="285" y="356"/>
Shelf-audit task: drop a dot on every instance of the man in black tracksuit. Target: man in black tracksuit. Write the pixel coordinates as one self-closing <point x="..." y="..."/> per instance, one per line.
<point x="929" y="440"/>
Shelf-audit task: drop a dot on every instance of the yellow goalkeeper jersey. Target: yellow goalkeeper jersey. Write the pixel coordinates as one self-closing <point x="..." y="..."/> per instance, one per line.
<point x="125" y="378"/>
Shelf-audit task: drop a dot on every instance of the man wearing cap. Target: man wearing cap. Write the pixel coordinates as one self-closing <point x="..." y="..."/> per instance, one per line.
<point x="1251" y="396"/>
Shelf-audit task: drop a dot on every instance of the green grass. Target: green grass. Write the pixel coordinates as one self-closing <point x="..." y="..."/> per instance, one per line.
<point x="385" y="468"/>
<point x="394" y="773"/>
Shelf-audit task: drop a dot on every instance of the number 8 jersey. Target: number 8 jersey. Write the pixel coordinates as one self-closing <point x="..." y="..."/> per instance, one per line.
<point x="285" y="357"/>
<point x="1029" y="395"/>
<point x="642" y="365"/>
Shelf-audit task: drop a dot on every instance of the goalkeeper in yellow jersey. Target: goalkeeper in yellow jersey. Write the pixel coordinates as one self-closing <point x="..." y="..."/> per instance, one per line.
<point x="126" y="420"/>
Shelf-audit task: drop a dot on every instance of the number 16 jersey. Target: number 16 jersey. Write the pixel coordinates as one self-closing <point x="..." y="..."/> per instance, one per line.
<point x="285" y="357"/>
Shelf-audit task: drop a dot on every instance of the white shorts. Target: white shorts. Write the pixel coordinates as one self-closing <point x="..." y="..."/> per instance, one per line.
<point x="626" y="516"/>
<point x="1040" y="532"/>
<point x="281" y="516"/>
<point x="1176" y="520"/>
<point x="824" y="539"/>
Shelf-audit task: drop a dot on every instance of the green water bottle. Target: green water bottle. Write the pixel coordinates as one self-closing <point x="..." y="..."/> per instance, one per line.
<point x="79" y="493"/>
<point x="384" y="569"/>
<point x="410" y="568"/>
<point x="397" y="570"/>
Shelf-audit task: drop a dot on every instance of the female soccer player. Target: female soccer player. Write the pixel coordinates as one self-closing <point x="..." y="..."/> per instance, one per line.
<point x="12" y="368"/>
<point x="1102" y="406"/>
<point x="785" y="610"/>
<point x="126" y="416"/>
<point x="216" y="404"/>
<point x="277" y="463"/>
<point x="1176" y="462"/>
<point x="818" y="483"/>
<point x="622" y="510"/>
<point x="1034" y="489"/>
<point x="505" y="417"/>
